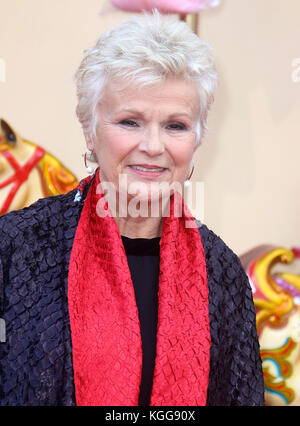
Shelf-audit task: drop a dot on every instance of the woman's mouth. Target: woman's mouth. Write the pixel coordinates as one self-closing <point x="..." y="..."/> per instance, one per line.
<point x="148" y="171"/>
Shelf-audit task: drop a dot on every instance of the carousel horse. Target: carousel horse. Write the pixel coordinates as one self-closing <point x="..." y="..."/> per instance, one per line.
<point x="28" y="172"/>
<point x="276" y="294"/>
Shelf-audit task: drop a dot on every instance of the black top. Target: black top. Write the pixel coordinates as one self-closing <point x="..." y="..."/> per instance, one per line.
<point x="143" y="261"/>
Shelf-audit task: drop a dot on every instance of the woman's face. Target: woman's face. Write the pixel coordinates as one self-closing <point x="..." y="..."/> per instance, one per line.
<point x="143" y="129"/>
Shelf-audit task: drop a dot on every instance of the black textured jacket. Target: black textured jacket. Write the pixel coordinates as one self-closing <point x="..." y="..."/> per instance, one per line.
<point x="36" y="358"/>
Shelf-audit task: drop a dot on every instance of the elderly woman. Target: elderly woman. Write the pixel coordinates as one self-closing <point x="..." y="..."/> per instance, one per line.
<point x="104" y="302"/>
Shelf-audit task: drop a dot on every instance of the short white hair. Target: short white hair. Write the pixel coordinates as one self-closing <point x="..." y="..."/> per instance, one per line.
<point x="144" y="50"/>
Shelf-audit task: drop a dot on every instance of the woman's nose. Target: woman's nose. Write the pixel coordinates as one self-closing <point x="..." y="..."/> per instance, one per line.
<point x="152" y="142"/>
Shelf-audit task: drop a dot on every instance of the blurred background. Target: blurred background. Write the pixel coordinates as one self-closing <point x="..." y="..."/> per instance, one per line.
<point x="249" y="160"/>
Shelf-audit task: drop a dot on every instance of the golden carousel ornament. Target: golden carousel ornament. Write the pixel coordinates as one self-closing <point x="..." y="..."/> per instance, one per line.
<point x="28" y="172"/>
<point x="276" y="294"/>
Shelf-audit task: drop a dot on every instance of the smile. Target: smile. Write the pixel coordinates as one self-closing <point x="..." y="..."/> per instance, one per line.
<point x="148" y="171"/>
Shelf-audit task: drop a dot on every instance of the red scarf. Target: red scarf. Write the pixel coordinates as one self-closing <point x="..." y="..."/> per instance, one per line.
<point x="105" y="328"/>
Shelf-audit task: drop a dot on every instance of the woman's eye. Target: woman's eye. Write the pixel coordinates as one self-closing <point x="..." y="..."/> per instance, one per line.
<point x="176" y="126"/>
<point x="129" y="123"/>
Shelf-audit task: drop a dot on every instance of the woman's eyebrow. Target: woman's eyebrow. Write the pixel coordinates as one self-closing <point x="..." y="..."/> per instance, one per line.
<point x="172" y="115"/>
<point x="180" y="114"/>
<point x="131" y="111"/>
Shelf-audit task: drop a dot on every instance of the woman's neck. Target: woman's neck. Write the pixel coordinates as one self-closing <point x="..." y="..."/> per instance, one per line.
<point x="139" y="227"/>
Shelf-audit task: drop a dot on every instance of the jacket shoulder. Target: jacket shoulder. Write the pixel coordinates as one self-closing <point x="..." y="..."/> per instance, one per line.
<point x="36" y="210"/>
<point x="42" y="213"/>
<point x="227" y="280"/>
<point x="217" y="251"/>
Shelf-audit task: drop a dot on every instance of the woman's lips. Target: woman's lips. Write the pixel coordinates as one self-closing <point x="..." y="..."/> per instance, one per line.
<point x="147" y="171"/>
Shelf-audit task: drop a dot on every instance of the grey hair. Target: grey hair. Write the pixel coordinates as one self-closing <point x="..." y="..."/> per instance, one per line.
<point x="145" y="50"/>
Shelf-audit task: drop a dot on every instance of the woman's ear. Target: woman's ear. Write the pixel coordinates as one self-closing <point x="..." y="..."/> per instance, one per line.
<point x="89" y="142"/>
<point x="197" y="145"/>
<point x="198" y="136"/>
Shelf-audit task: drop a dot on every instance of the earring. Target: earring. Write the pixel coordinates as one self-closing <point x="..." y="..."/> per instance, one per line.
<point x="88" y="168"/>
<point x="187" y="181"/>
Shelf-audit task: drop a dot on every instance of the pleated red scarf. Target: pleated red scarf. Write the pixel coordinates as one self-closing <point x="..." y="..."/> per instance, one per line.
<point x="105" y="328"/>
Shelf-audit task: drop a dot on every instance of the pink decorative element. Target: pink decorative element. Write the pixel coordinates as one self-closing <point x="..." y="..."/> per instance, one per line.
<point x="296" y="251"/>
<point x="166" y="6"/>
